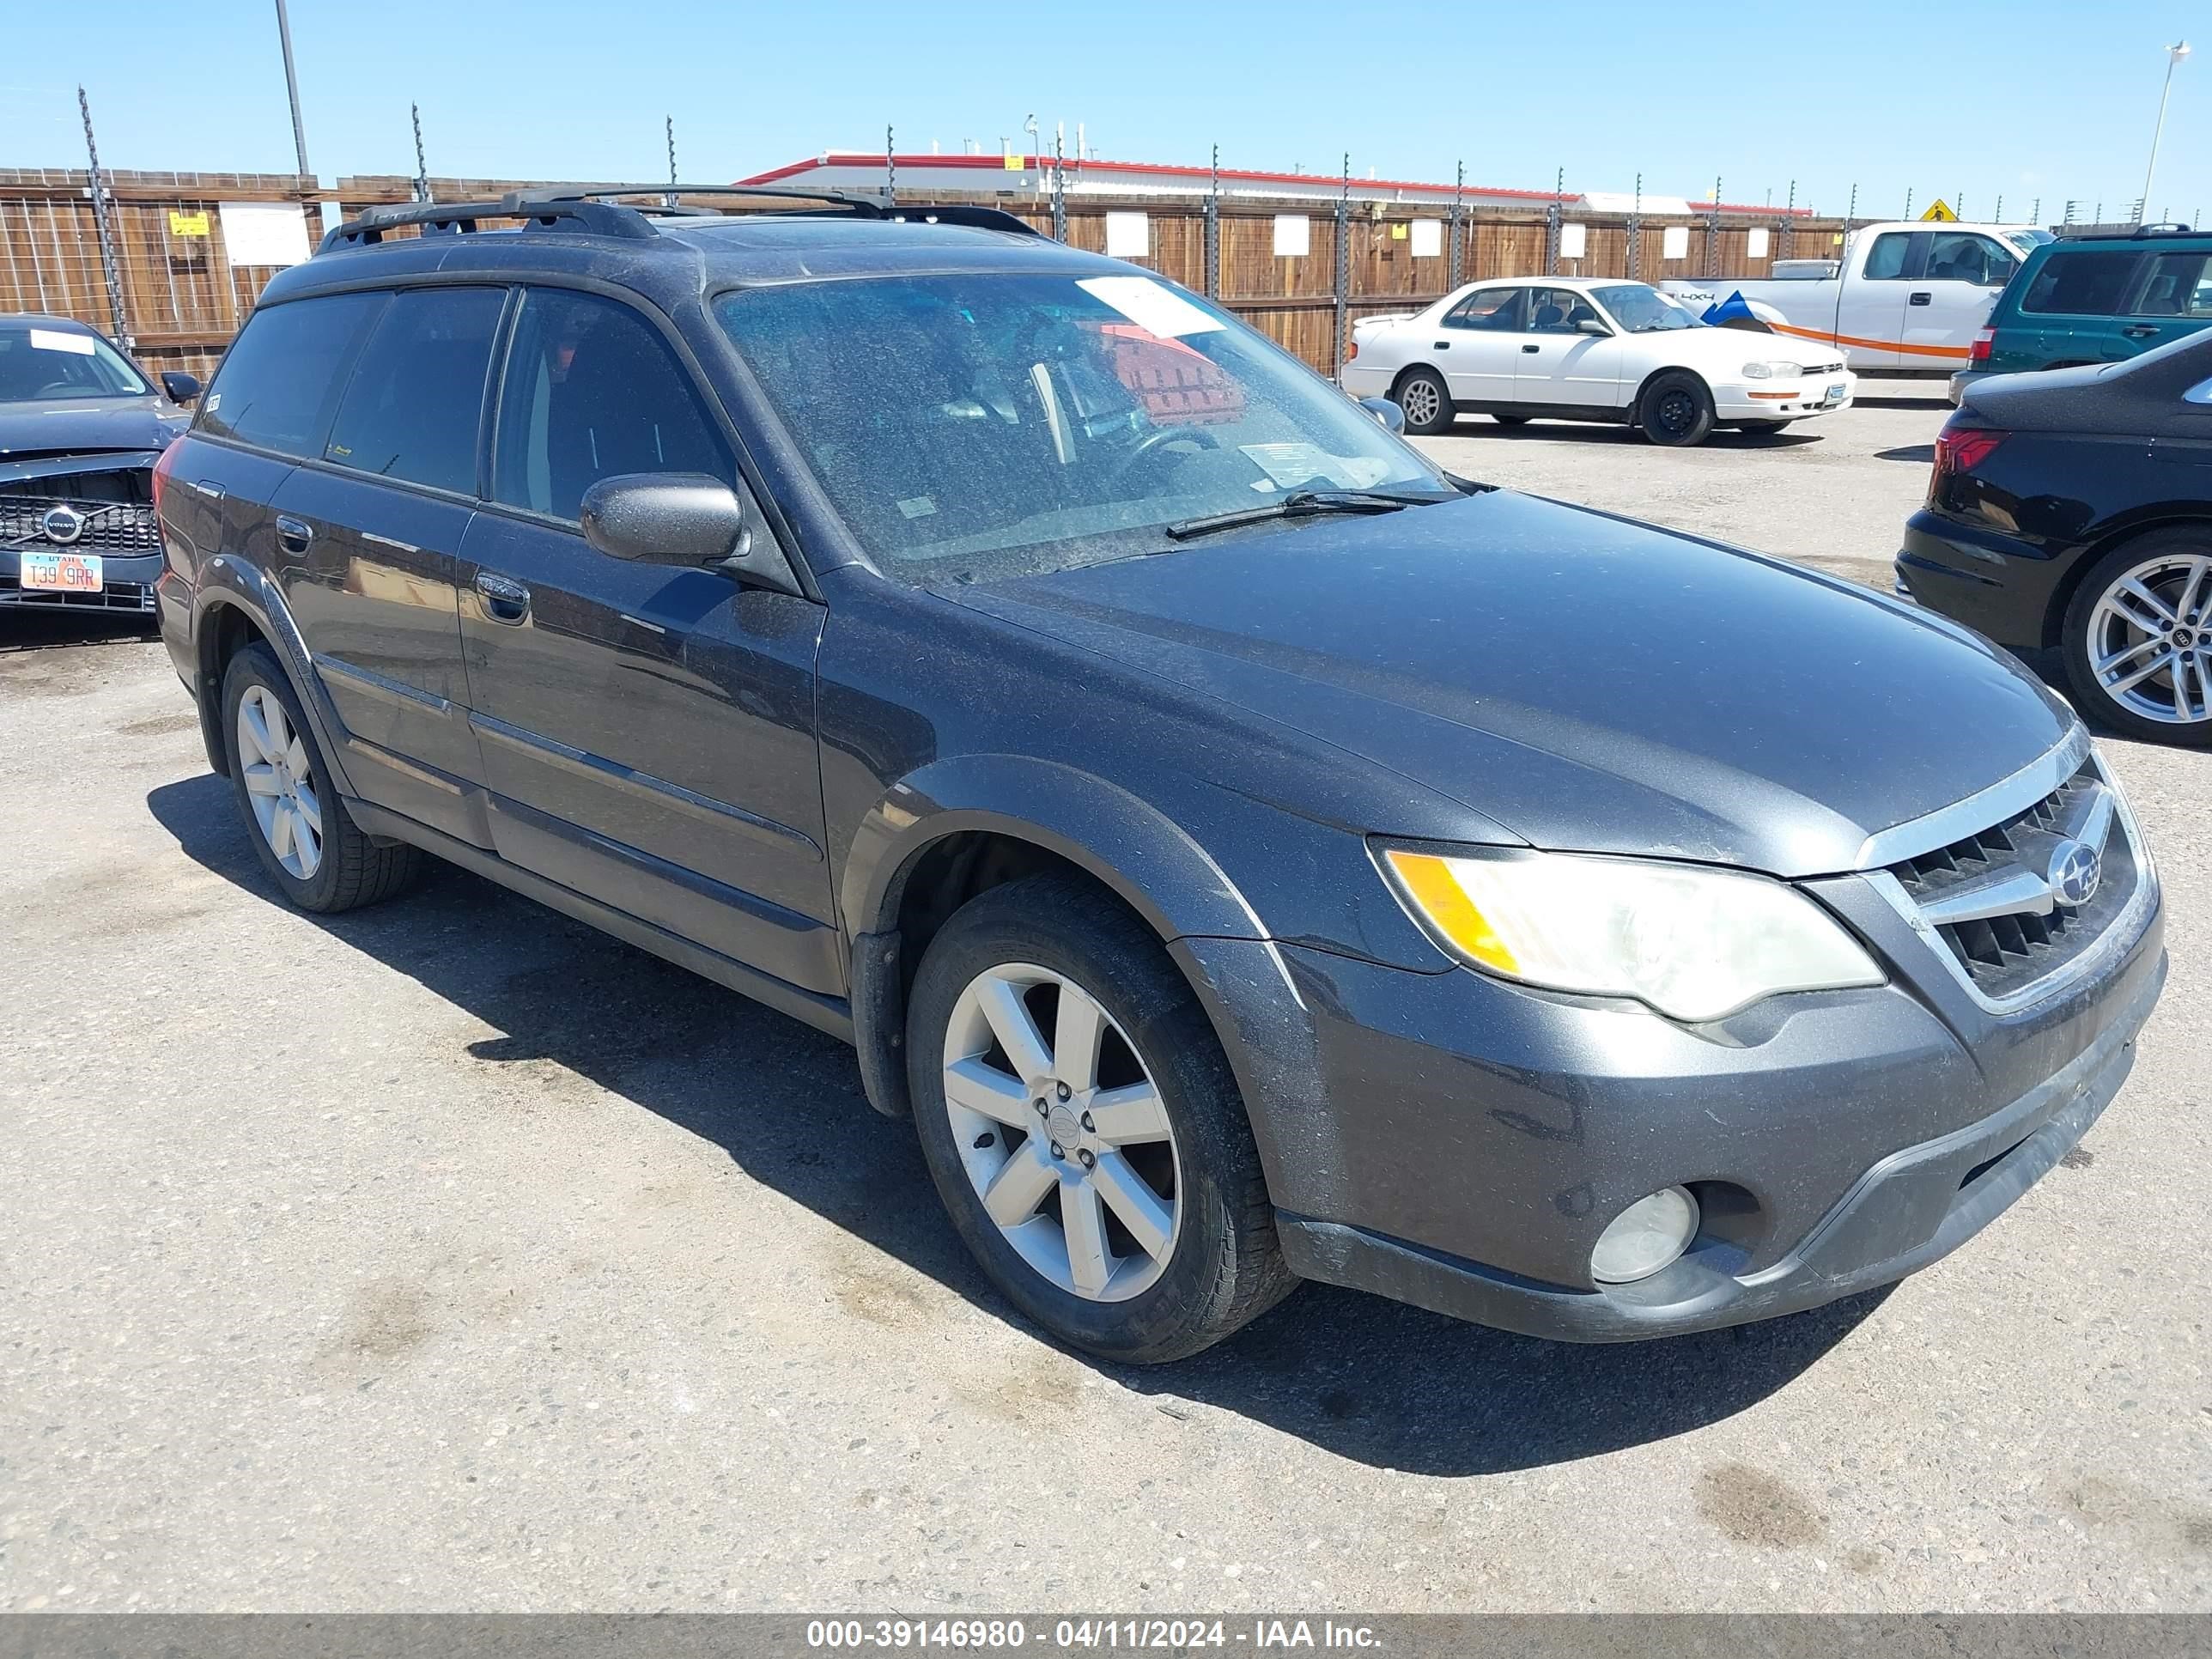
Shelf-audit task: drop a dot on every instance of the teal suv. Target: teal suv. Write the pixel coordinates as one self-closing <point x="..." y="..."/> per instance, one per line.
<point x="2095" y="299"/>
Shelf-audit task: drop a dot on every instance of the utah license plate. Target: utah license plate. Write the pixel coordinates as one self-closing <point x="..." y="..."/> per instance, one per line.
<point x="1835" y="393"/>
<point x="63" y="573"/>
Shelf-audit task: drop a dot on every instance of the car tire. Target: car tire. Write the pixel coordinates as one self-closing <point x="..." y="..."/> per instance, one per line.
<point x="298" y="823"/>
<point x="2106" y="623"/>
<point x="1206" y="1261"/>
<point x="1510" y="419"/>
<point x="1422" y="390"/>
<point x="1675" y="410"/>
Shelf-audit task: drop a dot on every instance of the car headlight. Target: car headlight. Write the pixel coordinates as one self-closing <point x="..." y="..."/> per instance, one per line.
<point x="1693" y="942"/>
<point x="1772" y="371"/>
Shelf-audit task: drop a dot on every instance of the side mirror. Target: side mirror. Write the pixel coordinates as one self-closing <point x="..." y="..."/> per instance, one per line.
<point x="1392" y="417"/>
<point x="681" y="519"/>
<point x="1591" y="325"/>
<point x="181" y="387"/>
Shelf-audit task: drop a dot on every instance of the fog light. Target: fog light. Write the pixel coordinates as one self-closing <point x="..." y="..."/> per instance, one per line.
<point x="1645" y="1236"/>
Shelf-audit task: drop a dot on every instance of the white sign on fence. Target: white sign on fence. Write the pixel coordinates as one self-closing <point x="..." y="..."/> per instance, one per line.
<point x="264" y="233"/>
<point x="1128" y="236"/>
<point x="1754" y="245"/>
<point x="1572" y="238"/>
<point x="1428" y="238"/>
<point x="1293" y="235"/>
<point x="1675" y="244"/>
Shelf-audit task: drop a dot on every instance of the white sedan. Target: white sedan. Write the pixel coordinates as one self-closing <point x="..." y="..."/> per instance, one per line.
<point x="1522" y="349"/>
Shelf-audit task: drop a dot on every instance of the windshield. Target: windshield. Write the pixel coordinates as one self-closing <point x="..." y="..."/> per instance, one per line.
<point x="2027" y="241"/>
<point x="986" y="425"/>
<point x="1642" y="309"/>
<point x="50" y="365"/>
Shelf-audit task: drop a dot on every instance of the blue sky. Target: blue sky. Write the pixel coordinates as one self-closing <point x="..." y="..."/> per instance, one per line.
<point x="2027" y="100"/>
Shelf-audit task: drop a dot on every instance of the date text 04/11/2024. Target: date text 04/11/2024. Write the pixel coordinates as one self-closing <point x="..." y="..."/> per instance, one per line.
<point x="1178" y="1635"/>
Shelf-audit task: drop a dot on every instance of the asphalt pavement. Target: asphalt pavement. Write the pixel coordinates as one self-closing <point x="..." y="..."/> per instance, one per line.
<point x="449" y="1255"/>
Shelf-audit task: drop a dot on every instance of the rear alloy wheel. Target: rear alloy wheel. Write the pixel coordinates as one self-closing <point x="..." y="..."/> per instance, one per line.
<point x="1083" y="1128"/>
<point x="305" y="839"/>
<point x="2139" y="638"/>
<point x="1426" y="400"/>
<point x="1676" y="411"/>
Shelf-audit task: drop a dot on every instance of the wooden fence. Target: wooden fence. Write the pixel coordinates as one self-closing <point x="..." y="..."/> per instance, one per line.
<point x="183" y="296"/>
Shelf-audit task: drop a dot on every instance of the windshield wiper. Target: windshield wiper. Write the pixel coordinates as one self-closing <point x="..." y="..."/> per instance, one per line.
<point x="1300" y="504"/>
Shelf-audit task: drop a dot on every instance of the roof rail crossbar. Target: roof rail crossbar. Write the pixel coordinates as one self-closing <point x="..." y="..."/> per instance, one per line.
<point x="590" y="208"/>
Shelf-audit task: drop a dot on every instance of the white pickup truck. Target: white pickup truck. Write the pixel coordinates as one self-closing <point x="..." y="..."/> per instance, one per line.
<point x="1903" y="299"/>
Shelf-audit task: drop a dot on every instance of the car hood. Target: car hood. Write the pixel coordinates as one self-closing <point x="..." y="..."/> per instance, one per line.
<point x="1586" y="683"/>
<point x="86" y="425"/>
<point x="1726" y="350"/>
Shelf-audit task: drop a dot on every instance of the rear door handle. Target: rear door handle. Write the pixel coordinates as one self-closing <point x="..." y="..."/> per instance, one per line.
<point x="2140" y="330"/>
<point x="506" y="600"/>
<point x="214" y="492"/>
<point x="1923" y="298"/>
<point x="1444" y="345"/>
<point x="1532" y="347"/>
<point x="293" y="534"/>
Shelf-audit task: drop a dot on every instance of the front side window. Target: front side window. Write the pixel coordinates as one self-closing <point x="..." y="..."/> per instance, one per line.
<point x="1559" y="311"/>
<point x="2089" y="283"/>
<point x="40" y="363"/>
<point x="988" y="424"/>
<point x="1495" y="309"/>
<point x="592" y="391"/>
<point x="281" y="376"/>
<point x="411" y="410"/>
<point x="1958" y="256"/>
<point x="1885" y="259"/>
<point x="2179" y="285"/>
<point x="1643" y="309"/>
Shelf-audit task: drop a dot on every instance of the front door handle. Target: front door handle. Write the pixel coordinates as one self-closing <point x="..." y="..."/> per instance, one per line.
<point x="1444" y="345"/>
<point x="506" y="600"/>
<point x="1532" y="347"/>
<point x="293" y="534"/>
<point x="1923" y="298"/>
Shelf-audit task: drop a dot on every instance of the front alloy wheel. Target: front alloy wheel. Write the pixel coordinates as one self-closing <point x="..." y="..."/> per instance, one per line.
<point x="1083" y="1127"/>
<point x="1064" y="1137"/>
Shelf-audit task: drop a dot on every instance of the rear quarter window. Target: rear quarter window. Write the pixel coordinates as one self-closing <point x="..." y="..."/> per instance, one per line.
<point x="2093" y="282"/>
<point x="281" y="375"/>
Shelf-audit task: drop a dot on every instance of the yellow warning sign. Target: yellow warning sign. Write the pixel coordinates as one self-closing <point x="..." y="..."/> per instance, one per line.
<point x="1013" y="164"/>
<point x="188" y="224"/>
<point x="1939" y="209"/>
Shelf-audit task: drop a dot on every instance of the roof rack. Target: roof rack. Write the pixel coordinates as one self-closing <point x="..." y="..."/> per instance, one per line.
<point x="2171" y="228"/>
<point x="589" y="208"/>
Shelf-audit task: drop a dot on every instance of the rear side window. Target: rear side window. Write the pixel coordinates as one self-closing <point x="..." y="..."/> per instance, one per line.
<point x="591" y="390"/>
<point x="1885" y="259"/>
<point x="2090" y="284"/>
<point x="1964" y="255"/>
<point x="1496" y="308"/>
<point x="281" y="376"/>
<point x="2179" y="285"/>
<point x="411" y="410"/>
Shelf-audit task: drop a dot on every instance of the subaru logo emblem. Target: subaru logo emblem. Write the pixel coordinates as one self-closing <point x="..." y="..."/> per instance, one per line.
<point x="62" y="525"/>
<point x="2076" y="872"/>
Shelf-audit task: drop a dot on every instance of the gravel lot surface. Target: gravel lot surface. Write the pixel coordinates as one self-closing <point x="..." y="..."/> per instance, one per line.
<point x="451" y="1255"/>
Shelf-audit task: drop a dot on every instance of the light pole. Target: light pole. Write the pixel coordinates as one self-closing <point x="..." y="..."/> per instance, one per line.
<point x="2174" y="54"/>
<point x="292" y="87"/>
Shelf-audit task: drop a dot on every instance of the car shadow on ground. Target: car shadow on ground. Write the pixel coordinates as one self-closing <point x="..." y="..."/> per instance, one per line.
<point x="28" y="628"/>
<point x="1607" y="432"/>
<point x="1920" y="454"/>
<point x="1365" y="1378"/>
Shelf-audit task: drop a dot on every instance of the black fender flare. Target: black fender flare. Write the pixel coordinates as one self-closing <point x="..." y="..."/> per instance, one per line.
<point x="228" y="581"/>
<point x="1140" y="854"/>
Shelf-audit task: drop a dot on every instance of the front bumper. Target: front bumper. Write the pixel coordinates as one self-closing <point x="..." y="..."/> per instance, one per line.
<point x="1454" y="1142"/>
<point x="127" y="587"/>
<point x="1733" y="403"/>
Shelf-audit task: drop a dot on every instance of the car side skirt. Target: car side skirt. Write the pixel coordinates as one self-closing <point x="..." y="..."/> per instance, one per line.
<point x="1546" y="411"/>
<point x="831" y="1014"/>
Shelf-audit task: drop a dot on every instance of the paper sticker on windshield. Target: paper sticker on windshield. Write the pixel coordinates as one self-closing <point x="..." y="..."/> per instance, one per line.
<point x="52" y="339"/>
<point x="1305" y="465"/>
<point x="1152" y="306"/>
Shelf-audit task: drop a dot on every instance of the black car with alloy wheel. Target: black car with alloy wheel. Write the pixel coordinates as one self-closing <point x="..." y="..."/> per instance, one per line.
<point x="1180" y="792"/>
<point x="81" y="426"/>
<point x="2073" y="509"/>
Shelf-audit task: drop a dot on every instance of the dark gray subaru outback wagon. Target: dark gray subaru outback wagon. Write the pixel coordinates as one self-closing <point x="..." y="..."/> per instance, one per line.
<point x="1248" y="853"/>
